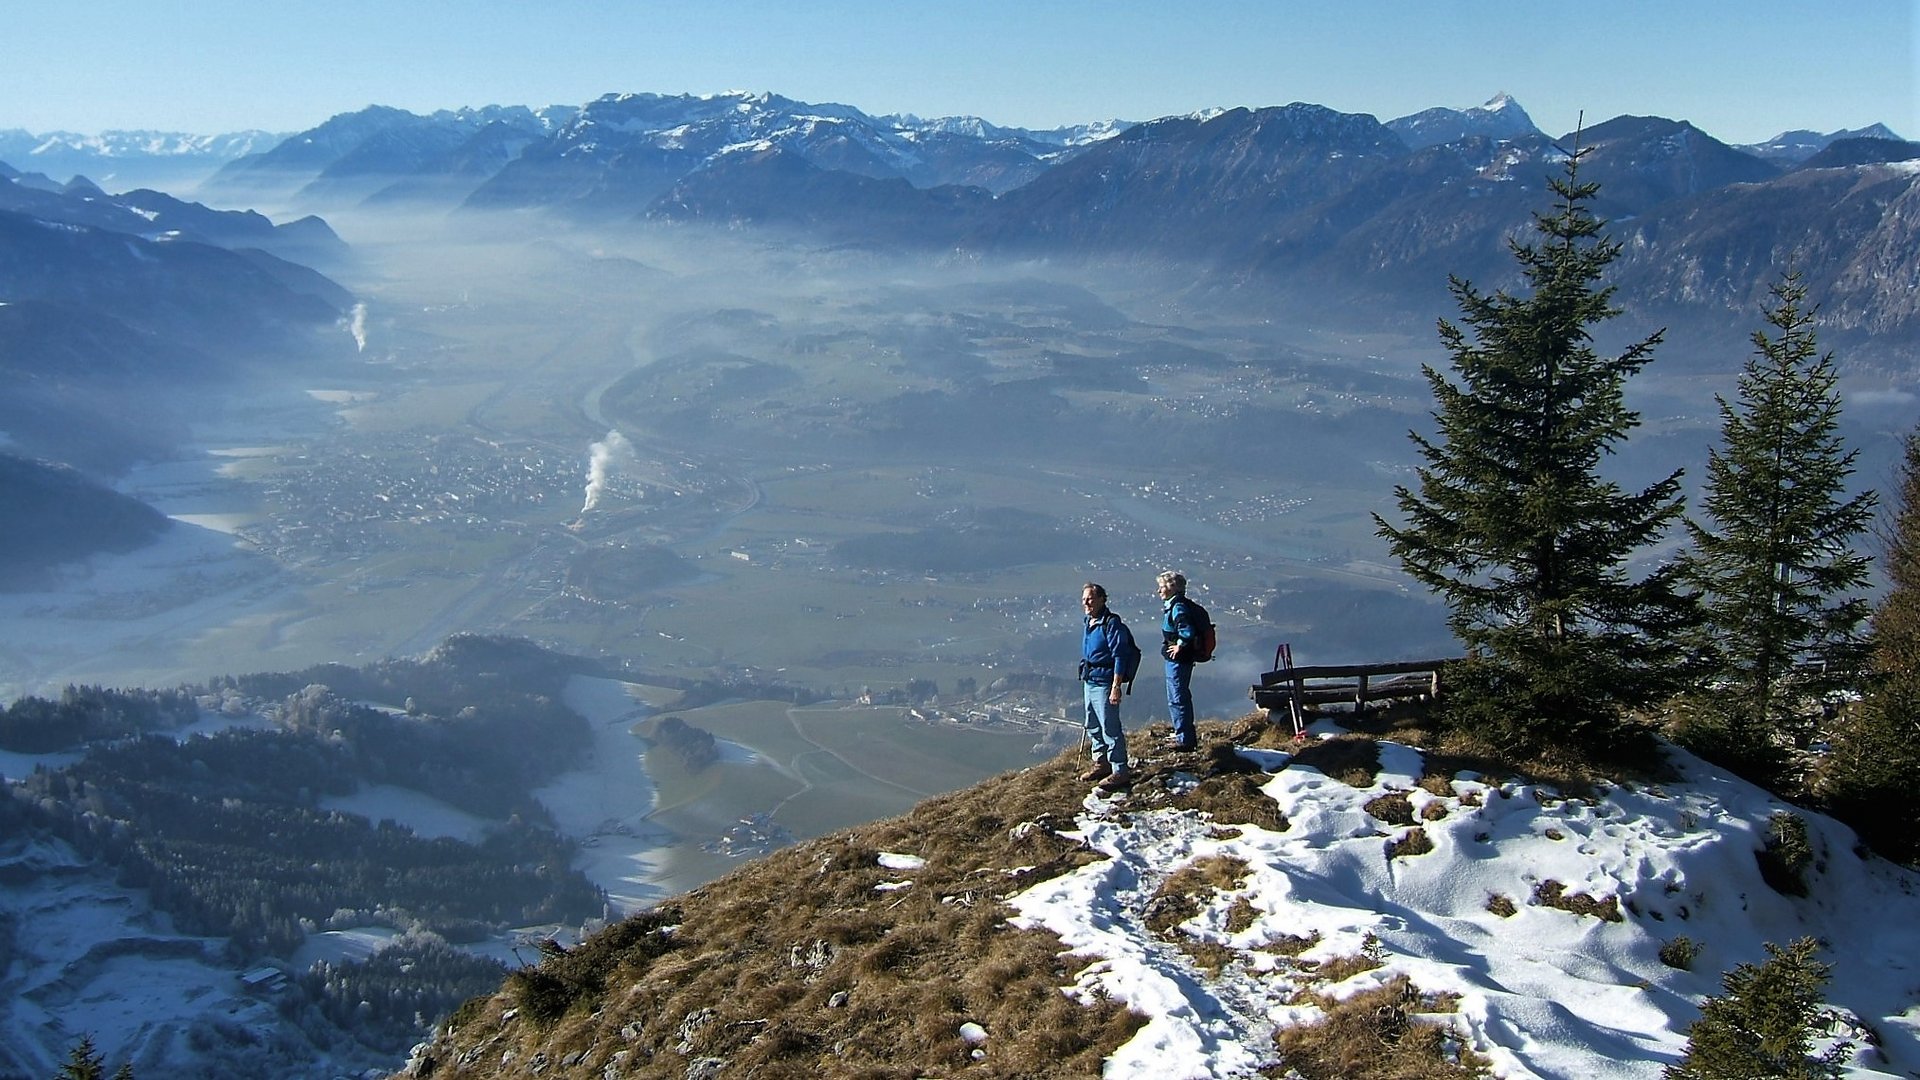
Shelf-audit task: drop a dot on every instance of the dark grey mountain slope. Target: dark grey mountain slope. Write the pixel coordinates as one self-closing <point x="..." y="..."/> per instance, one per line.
<point x="56" y="515"/>
<point x="355" y="154"/>
<point x="1852" y="232"/>
<point x="1390" y="241"/>
<point x="1192" y="187"/>
<point x="443" y="144"/>
<point x="109" y="341"/>
<point x="198" y="294"/>
<point x="447" y="180"/>
<point x="998" y="164"/>
<point x="1862" y="151"/>
<point x="1643" y="161"/>
<point x="779" y="189"/>
<point x="78" y="386"/>
<point x="310" y="152"/>
<point x="155" y="215"/>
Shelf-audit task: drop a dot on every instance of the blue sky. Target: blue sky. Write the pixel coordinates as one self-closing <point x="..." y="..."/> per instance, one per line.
<point x="1742" y="70"/>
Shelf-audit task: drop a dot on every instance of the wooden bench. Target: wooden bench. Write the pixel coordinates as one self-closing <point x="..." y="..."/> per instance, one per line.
<point x="1293" y="689"/>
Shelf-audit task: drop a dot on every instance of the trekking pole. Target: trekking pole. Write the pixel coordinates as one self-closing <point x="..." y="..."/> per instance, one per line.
<point x="1283" y="661"/>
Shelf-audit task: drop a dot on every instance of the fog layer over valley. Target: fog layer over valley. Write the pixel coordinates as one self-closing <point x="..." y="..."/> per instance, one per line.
<point x="699" y="451"/>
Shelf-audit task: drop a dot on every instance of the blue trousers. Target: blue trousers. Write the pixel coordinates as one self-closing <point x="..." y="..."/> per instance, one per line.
<point x="1102" y="718"/>
<point x="1180" y="699"/>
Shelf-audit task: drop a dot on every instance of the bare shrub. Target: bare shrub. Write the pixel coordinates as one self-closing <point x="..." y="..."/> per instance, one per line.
<point x="1375" y="1035"/>
<point x="1241" y="915"/>
<point x="1680" y="952"/>
<point x="1553" y="894"/>
<point x="1414" y="842"/>
<point x="1394" y="808"/>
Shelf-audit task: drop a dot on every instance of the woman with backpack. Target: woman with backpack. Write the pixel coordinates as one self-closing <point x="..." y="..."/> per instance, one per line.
<point x="1186" y="634"/>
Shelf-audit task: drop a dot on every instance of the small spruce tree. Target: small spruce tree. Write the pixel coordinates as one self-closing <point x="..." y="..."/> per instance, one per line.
<point x="1780" y="581"/>
<point x="83" y="1062"/>
<point x="1513" y="524"/>
<point x="1764" y="1026"/>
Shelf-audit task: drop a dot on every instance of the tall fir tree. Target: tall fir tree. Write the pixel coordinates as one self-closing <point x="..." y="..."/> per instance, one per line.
<point x="1781" y="583"/>
<point x="1867" y="778"/>
<point x="1513" y="525"/>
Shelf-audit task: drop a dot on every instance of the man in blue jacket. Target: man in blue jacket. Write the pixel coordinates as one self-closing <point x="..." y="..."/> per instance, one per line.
<point x="1103" y="661"/>
<point x="1177" y="631"/>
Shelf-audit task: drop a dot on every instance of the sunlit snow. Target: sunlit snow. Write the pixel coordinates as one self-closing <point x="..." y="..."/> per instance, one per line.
<point x="1543" y="992"/>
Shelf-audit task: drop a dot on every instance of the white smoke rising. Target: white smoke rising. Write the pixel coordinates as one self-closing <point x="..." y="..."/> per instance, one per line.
<point x="357" y="326"/>
<point x="610" y="453"/>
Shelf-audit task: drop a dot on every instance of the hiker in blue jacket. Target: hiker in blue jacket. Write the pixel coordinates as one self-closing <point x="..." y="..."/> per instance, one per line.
<point x="1178" y="629"/>
<point x="1105" y="643"/>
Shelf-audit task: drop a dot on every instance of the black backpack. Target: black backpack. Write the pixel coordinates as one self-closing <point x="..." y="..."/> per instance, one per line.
<point x="1204" y="640"/>
<point x="1126" y="654"/>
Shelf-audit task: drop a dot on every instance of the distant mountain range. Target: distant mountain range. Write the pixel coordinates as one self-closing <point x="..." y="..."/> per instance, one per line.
<point x="1330" y="207"/>
<point x="120" y="160"/>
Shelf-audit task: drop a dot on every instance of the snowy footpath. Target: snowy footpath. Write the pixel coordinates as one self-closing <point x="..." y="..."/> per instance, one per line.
<point x="1542" y="991"/>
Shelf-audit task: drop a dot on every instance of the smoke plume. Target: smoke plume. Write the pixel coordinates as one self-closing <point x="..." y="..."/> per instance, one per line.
<point x="611" y="453"/>
<point x="357" y="326"/>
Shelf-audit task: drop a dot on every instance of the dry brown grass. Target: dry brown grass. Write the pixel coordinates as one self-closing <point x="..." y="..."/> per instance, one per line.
<point x="1553" y="894"/>
<point x="1376" y="1035"/>
<point x="1290" y="945"/>
<point x="1241" y="915"/>
<point x="1502" y="906"/>
<point x="1187" y="891"/>
<point x="1235" y="799"/>
<point x="1394" y="808"/>
<point x="1339" y="969"/>
<point x="795" y="959"/>
<point x="1353" y="760"/>
<point x="1414" y="841"/>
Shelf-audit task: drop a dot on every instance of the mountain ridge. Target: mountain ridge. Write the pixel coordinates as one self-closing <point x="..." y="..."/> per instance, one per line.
<point x="1230" y="904"/>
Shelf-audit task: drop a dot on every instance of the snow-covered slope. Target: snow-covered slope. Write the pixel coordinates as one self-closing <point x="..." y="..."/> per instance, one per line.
<point x="1543" y="992"/>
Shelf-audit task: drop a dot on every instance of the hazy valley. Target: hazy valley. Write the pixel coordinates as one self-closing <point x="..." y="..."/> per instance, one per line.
<point x="815" y="471"/>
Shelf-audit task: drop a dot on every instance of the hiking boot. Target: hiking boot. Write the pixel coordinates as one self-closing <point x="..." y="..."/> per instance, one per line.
<point x="1100" y="771"/>
<point x="1181" y="746"/>
<point x="1118" y="781"/>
